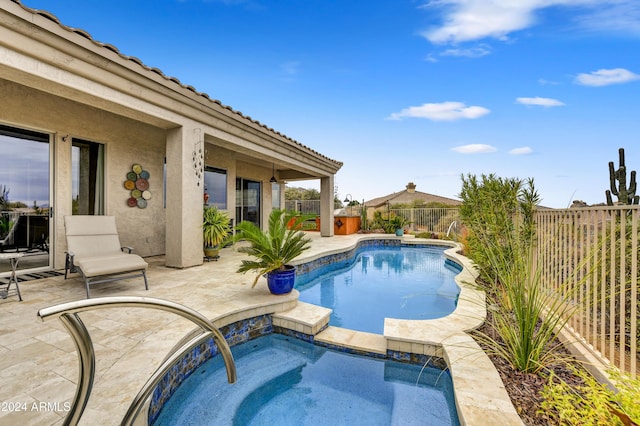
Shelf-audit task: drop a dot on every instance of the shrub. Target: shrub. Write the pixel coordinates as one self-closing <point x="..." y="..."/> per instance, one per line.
<point x="592" y="403"/>
<point x="494" y="209"/>
<point x="499" y="216"/>
<point x="525" y="318"/>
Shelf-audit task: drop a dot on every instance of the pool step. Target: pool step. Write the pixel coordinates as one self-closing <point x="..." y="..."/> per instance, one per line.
<point x="357" y="340"/>
<point x="304" y="318"/>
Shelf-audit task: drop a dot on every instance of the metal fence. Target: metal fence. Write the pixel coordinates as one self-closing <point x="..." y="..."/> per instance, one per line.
<point x="307" y="206"/>
<point x="435" y="220"/>
<point x="590" y="255"/>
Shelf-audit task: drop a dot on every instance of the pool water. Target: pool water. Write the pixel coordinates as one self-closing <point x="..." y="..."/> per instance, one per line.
<point x="284" y="381"/>
<point x="379" y="282"/>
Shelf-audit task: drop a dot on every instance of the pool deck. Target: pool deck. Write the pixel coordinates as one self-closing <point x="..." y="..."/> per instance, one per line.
<point x="39" y="365"/>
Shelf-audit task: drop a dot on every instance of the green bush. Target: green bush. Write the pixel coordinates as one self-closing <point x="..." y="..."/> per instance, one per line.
<point x="495" y="210"/>
<point x="592" y="404"/>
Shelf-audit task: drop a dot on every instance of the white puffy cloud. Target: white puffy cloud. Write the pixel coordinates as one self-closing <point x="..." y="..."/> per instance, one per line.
<point x="605" y="77"/>
<point x="538" y="101"/>
<point x="444" y="111"/>
<point x="466" y="20"/>
<point x="475" y="148"/>
<point x="525" y="150"/>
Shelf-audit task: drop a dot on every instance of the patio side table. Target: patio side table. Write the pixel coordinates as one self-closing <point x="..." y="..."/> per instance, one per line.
<point x="13" y="259"/>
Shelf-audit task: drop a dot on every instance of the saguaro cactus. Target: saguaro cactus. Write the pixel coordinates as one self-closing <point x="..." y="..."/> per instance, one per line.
<point x="626" y="195"/>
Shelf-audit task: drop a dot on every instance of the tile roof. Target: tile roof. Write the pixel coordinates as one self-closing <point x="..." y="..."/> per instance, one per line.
<point x="112" y="48"/>
<point x="408" y="196"/>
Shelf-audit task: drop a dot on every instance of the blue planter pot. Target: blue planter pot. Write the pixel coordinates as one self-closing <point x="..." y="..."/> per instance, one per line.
<point x="282" y="282"/>
<point x="399" y="232"/>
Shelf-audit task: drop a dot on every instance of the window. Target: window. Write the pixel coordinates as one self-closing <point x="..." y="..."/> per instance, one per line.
<point x="87" y="177"/>
<point x="248" y="199"/>
<point x="24" y="196"/>
<point x="275" y="195"/>
<point x="215" y="187"/>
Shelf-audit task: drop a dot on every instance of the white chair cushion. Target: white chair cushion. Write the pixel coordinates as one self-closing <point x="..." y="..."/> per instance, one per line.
<point x="110" y="264"/>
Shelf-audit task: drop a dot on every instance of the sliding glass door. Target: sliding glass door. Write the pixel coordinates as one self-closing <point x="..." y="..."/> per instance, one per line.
<point x="248" y="196"/>
<point x="87" y="160"/>
<point x="25" y="207"/>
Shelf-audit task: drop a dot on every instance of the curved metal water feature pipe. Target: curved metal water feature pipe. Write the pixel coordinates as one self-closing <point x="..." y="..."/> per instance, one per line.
<point x="454" y="225"/>
<point x="68" y="314"/>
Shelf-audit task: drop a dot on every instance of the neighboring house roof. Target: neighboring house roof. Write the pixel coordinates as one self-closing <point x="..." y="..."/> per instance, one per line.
<point x="178" y="85"/>
<point x="409" y="196"/>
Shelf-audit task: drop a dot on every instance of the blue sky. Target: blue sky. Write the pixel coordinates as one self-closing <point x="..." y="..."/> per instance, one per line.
<point x="408" y="90"/>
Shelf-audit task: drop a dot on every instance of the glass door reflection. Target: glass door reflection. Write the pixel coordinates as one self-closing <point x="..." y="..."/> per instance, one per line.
<point x="24" y="197"/>
<point x="248" y="201"/>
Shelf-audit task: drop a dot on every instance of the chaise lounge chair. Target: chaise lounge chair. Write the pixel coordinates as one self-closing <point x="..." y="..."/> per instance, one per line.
<point x="94" y="250"/>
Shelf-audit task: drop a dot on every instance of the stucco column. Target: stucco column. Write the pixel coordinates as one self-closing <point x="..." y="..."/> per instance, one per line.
<point x="184" y="200"/>
<point x="62" y="196"/>
<point x="326" y="206"/>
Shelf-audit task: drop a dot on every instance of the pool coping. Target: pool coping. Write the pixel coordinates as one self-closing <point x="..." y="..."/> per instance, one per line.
<point x="479" y="392"/>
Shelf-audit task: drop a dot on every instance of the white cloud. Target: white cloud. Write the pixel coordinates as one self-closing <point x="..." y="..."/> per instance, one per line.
<point x="617" y="16"/>
<point x="544" y="82"/>
<point x="431" y="58"/>
<point x="537" y="101"/>
<point x="525" y="150"/>
<point x="606" y="77"/>
<point x="474" y="52"/>
<point x="466" y="20"/>
<point x="445" y="111"/>
<point x="471" y="52"/>
<point x="474" y="148"/>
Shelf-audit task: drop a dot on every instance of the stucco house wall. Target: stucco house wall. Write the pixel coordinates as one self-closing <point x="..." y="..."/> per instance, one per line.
<point x="126" y="142"/>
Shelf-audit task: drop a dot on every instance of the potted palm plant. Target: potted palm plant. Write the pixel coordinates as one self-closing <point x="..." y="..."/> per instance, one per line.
<point x="397" y="224"/>
<point x="216" y="229"/>
<point x="273" y="249"/>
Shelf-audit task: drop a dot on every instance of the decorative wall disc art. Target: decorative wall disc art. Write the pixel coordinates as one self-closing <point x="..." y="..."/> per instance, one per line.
<point x="142" y="184"/>
<point x="137" y="184"/>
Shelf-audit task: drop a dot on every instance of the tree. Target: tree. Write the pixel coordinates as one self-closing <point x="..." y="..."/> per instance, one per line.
<point x="4" y="197"/>
<point x="294" y="193"/>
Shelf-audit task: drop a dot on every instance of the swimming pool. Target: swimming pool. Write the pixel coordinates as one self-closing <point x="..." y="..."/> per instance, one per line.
<point x="378" y="281"/>
<point x="285" y="381"/>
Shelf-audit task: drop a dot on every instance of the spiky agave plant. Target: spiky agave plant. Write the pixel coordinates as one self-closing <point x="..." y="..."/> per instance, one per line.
<point x="215" y="227"/>
<point x="274" y="248"/>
